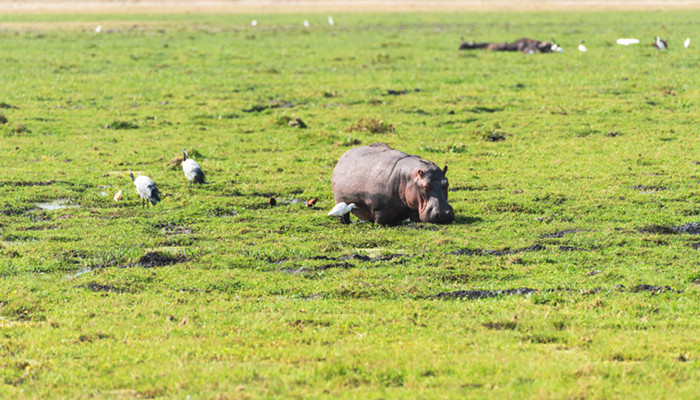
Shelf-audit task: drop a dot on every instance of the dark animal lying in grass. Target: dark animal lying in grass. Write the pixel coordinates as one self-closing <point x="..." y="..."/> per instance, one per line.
<point x="524" y="45"/>
<point x="389" y="186"/>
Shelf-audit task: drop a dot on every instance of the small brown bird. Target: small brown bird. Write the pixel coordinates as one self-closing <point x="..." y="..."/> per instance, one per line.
<point x="311" y="202"/>
<point x="272" y="201"/>
<point x="118" y="196"/>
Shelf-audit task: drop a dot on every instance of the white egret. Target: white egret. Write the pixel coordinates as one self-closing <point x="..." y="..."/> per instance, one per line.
<point x="254" y="23"/>
<point x="192" y="170"/>
<point x="581" y="47"/>
<point x="341" y="209"/>
<point x="146" y="188"/>
<point x="627" y="42"/>
<point x="686" y="43"/>
<point x="330" y="21"/>
<point x="306" y="23"/>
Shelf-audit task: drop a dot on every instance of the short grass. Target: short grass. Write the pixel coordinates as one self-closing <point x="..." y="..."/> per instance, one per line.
<point x="568" y="173"/>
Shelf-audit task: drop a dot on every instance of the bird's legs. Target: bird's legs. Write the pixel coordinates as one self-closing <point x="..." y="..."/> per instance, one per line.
<point x="345" y="219"/>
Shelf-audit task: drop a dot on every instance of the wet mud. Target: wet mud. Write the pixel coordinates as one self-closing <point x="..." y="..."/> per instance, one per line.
<point x="159" y="259"/>
<point x="482" y="294"/>
<point x="692" y="228"/>
<point x="653" y="289"/>
<point x="97" y="287"/>
<point x="172" y="229"/>
<point x="272" y="104"/>
<point x="560" y="234"/>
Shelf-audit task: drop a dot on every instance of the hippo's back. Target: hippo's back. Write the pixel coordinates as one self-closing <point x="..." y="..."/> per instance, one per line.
<point x="366" y="169"/>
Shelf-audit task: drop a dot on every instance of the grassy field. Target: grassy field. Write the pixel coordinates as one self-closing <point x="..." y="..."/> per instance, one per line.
<point x="571" y="270"/>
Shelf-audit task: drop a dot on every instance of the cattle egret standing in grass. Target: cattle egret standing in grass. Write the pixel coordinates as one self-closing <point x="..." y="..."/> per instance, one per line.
<point x="306" y="23"/>
<point x="660" y="44"/>
<point x="581" y="47"/>
<point x="98" y="29"/>
<point x="254" y="23"/>
<point x="147" y="189"/>
<point x="686" y="43"/>
<point x="330" y="21"/>
<point x="118" y="196"/>
<point x="193" y="171"/>
<point x="342" y="211"/>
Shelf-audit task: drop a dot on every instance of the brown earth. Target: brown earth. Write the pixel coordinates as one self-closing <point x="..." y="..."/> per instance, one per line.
<point x="328" y="6"/>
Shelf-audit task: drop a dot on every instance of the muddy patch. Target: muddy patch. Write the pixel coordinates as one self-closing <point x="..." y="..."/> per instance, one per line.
<point x="560" y="234"/>
<point x="692" y="228"/>
<point x="483" y="294"/>
<point x="172" y="229"/>
<point x="100" y="288"/>
<point x="485" y="110"/>
<point x="10" y="211"/>
<point x="335" y="262"/>
<point x="653" y="289"/>
<point x="648" y="189"/>
<point x="504" y="252"/>
<point x="499" y="326"/>
<point x="392" y="92"/>
<point x="33" y="183"/>
<point x="508" y="251"/>
<point x="18" y="239"/>
<point x="272" y="104"/>
<point x="159" y="259"/>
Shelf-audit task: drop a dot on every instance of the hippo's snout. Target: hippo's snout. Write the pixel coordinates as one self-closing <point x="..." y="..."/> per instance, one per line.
<point x="439" y="215"/>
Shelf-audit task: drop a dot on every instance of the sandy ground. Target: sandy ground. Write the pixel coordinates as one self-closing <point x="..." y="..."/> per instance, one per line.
<point x="328" y="6"/>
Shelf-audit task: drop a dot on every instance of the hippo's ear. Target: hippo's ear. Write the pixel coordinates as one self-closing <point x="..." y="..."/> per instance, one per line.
<point x="421" y="173"/>
<point x="444" y="170"/>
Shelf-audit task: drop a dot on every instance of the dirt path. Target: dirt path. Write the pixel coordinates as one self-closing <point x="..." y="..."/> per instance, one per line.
<point x="327" y="6"/>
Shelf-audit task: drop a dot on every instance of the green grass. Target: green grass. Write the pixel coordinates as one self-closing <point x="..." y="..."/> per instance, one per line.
<point x="283" y="302"/>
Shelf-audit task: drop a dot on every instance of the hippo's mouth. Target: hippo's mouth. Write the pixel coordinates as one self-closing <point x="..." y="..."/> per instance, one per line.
<point x="443" y="216"/>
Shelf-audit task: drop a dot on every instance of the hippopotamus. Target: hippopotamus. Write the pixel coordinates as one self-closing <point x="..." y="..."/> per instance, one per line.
<point x="389" y="186"/>
<point x="524" y="45"/>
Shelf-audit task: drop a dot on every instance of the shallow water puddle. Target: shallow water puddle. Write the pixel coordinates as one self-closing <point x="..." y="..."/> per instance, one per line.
<point x="55" y="204"/>
<point x="77" y="273"/>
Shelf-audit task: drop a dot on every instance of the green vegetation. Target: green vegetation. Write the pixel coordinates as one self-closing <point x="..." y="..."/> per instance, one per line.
<point x="574" y="175"/>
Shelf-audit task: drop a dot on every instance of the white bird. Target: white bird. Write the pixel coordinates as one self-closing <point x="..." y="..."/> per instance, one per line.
<point x="627" y="42"/>
<point x="686" y="43"/>
<point x="118" y="196"/>
<point x="557" y="48"/>
<point x="254" y="23"/>
<point x="660" y="44"/>
<point x="341" y="210"/>
<point x="330" y="21"/>
<point x="98" y="29"/>
<point x="193" y="171"/>
<point x="146" y="188"/>
<point x="306" y="23"/>
<point x="581" y="47"/>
